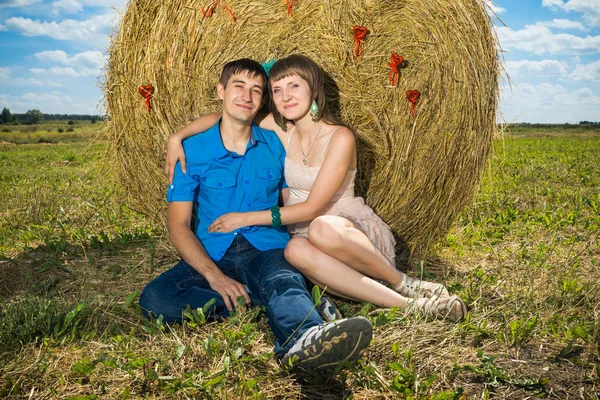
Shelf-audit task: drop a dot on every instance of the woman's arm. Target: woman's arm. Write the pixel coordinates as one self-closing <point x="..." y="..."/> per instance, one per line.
<point x="174" y="146"/>
<point x="267" y="121"/>
<point x="338" y="161"/>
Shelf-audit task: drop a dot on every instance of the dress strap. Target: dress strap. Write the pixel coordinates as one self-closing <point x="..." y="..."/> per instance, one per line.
<point x="329" y="139"/>
<point x="290" y="138"/>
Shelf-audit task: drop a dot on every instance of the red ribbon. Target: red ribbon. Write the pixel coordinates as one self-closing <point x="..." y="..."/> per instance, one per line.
<point x="216" y="4"/>
<point x="146" y="91"/>
<point x="290" y="4"/>
<point x="396" y="62"/>
<point x="413" y="97"/>
<point x="360" y="32"/>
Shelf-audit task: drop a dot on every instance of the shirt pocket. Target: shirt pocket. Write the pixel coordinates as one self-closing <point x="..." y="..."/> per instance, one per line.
<point x="270" y="179"/>
<point x="220" y="190"/>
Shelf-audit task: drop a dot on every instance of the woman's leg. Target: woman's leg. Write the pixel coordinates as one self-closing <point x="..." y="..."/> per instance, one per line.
<point x="338" y="237"/>
<point x="327" y="271"/>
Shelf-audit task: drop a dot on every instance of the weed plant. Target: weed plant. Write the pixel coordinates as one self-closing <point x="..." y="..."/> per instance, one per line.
<point x="524" y="257"/>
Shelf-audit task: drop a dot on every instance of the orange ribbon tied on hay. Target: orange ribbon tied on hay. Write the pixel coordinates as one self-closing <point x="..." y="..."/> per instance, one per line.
<point x="413" y="97"/>
<point x="360" y="32"/>
<point x="290" y="4"/>
<point x="146" y="91"/>
<point x="211" y="9"/>
<point x="396" y="62"/>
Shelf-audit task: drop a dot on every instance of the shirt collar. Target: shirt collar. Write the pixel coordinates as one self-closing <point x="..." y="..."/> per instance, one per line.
<point x="219" y="151"/>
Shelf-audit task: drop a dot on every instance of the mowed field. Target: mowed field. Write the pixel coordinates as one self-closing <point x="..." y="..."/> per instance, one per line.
<point x="525" y="257"/>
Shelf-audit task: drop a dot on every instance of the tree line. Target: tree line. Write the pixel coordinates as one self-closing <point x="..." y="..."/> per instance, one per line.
<point x="36" y="116"/>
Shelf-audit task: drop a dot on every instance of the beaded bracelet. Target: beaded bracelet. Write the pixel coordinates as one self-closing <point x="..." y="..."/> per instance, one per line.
<point x="276" y="217"/>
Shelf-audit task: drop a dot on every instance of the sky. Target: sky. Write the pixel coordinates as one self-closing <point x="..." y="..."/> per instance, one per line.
<point x="52" y="54"/>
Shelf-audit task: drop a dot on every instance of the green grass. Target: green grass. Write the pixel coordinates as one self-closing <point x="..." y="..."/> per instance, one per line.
<point x="51" y="132"/>
<point x="525" y="257"/>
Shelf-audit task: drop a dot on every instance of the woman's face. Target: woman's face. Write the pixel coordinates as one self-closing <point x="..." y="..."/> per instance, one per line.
<point x="292" y="97"/>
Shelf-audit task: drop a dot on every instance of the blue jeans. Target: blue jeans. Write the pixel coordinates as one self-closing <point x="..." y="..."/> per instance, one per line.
<point x="269" y="279"/>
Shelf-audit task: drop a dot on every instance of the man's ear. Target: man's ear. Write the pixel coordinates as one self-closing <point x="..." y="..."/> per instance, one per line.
<point x="220" y="90"/>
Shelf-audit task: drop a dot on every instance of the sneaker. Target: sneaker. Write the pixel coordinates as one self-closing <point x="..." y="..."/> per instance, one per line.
<point x="452" y="308"/>
<point x="416" y="288"/>
<point x="323" y="346"/>
<point x="328" y="310"/>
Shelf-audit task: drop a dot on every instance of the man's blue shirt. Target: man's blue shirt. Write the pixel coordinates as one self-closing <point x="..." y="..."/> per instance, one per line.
<point x="219" y="181"/>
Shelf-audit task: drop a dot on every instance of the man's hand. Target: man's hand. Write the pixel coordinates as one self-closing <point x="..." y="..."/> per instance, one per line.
<point x="174" y="152"/>
<point x="228" y="222"/>
<point x="230" y="290"/>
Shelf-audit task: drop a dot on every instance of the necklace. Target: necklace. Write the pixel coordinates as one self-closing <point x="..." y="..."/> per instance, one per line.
<point x="305" y="156"/>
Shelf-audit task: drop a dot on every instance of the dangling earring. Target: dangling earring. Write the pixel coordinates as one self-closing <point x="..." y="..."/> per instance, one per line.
<point x="282" y="123"/>
<point x="314" y="111"/>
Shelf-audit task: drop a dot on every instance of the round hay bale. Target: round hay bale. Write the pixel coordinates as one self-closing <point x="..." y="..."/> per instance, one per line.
<point x="417" y="173"/>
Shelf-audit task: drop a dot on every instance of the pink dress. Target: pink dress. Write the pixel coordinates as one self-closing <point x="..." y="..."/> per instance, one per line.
<point x="300" y="179"/>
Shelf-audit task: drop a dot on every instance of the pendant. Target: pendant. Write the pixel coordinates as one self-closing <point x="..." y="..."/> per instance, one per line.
<point x="305" y="161"/>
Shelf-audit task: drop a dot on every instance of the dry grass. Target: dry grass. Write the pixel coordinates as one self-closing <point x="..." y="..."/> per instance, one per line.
<point x="525" y="257"/>
<point x="417" y="174"/>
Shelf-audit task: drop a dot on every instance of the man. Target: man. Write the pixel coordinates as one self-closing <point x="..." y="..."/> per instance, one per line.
<point x="234" y="167"/>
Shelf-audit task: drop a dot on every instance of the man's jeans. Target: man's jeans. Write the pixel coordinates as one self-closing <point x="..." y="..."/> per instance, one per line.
<point x="270" y="281"/>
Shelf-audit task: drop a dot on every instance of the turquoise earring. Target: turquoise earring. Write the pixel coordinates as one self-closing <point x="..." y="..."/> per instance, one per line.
<point x="314" y="111"/>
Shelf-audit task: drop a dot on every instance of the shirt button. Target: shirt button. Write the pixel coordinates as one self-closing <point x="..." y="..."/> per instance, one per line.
<point x="246" y="181"/>
<point x="244" y="158"/>
<point x="220" y="184"/>
<point x="270" y="176"/>
<point x="248" y="204"/>
<point x="172" y="186"/>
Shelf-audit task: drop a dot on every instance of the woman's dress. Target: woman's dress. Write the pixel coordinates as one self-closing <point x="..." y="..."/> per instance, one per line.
<point x="300" y="180"/>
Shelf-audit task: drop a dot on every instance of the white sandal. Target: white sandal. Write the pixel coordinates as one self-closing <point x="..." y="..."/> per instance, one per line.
<point x="451" y="307"/>
<point x="416" y="288"/>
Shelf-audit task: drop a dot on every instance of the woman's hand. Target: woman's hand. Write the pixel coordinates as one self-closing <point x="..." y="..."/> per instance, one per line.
<point x="228" y="222"/>
<point x="174" y="153"/>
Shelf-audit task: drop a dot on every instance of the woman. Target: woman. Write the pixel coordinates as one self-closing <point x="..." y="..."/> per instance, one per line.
<point x="337" y="241"/>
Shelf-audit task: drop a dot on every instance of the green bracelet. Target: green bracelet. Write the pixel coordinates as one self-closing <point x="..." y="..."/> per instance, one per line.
<point x="276" y="217"/>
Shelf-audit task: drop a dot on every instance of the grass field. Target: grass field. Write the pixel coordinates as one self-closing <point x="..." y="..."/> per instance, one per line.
<point x="525" y="257"/>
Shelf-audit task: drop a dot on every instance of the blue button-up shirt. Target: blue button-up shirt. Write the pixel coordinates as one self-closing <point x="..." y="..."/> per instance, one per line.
<point x="219" y="181"/>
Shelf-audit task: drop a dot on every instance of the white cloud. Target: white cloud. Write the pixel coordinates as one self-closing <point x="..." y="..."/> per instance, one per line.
<point x="539" y="39"/>
<point x="493" y="7"/>
<point x="118" y="4"/>
<point x="81" y="64"/>
<point x="46" y="83"/>
<point x="17" y="3"/>
<point x="3" y="28"/>
<point x="4" y="73"/>
<point x="67" y="29"/>
<point x="37" y="71"/>
<point x="564" y="24"/>
<point x="586" y="72"/>
<point x="42" y="98"/>
<point x="544" y="67"/>
<point x="548" y="102"/>
<point x="67" y="7"/>
<point x="589" y="8"/>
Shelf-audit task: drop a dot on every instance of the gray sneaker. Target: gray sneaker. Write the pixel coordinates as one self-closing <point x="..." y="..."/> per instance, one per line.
<point x="328" y="310"/>
<point x="323" y="346"/>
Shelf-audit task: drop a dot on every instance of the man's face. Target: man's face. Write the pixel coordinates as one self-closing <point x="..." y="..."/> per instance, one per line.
<point x="242" y="98"/>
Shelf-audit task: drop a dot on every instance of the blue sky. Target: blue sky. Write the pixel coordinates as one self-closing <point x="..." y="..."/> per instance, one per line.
<point x="52" y="52"/>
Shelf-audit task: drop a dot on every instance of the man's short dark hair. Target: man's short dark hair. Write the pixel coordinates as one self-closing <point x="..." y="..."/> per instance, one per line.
<point x="252" y="67"/>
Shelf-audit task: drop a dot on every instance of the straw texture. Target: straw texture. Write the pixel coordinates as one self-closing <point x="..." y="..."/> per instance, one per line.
<point x="417" y="173"/>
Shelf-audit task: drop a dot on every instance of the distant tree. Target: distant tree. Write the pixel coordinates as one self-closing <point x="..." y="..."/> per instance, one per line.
<point x="71" y="122"/>
<point x="94" y="119"/>
<point x="6" y="116"/>
<point x="33" y="117"/>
